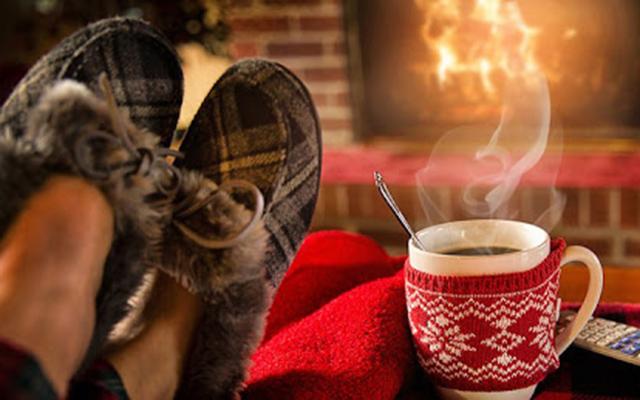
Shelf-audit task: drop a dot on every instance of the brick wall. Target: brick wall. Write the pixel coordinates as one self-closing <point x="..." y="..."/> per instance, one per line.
<point x="607" y="220"/>
<point x="308" y="37"/>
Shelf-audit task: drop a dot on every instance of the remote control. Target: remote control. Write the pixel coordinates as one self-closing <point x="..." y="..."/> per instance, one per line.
<point x="606" y="337"/>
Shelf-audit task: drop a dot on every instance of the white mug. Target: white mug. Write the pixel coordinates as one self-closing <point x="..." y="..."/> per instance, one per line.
<point x="532" y="246"/>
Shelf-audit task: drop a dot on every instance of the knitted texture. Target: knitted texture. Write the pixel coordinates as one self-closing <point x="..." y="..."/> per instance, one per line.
<point x="486" y="333"/>
<point x="337" y="329"/>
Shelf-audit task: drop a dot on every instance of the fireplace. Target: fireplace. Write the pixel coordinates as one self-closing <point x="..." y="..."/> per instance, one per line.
<point x="423" y="67"/>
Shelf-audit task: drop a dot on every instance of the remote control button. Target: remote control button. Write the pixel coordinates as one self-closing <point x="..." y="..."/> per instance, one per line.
<point x="591" y="327"/>
<point x="622" y="342"/>
<point x="597" y="336"/>
<point x="616" y="346"/>
<point x="612" y="338"/>
<point x="619" y="328"/>
<point x="583" y="335"/>
<point x="634" y="335"/>
<point x="625" y="343"/>
<point x="618" y="334"/>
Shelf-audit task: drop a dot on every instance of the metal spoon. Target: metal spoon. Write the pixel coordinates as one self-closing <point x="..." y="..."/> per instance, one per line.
<point x="386" y="195"/>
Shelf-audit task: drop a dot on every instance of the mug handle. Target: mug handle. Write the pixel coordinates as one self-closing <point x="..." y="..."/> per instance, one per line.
<point x="590" y="260"/>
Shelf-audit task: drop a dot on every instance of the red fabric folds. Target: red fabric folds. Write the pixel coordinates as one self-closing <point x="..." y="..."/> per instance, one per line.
<point x="338" y="330"/>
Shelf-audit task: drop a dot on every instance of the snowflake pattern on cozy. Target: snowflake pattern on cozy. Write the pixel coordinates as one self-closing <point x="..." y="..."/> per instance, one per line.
<point x="488" y="332"/>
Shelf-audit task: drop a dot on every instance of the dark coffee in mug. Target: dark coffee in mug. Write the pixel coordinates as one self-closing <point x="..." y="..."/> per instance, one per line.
<point x="480" y="251"/>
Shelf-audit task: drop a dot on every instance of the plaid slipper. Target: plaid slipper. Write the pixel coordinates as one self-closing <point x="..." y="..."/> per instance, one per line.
<point x="72" y="132"/>
<point x="141" y="65"/>
<point x="258" y="123"/>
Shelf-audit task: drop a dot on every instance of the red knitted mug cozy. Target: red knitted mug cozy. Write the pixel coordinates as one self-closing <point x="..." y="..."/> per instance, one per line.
<point x="486" y="333"/>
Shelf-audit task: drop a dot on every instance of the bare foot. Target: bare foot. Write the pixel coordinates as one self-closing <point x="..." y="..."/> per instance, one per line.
<point x="151" y="364"/>
<point x="51" y="263"/>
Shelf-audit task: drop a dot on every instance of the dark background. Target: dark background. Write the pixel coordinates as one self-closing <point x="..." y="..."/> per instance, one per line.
<point x="29" y="28"/>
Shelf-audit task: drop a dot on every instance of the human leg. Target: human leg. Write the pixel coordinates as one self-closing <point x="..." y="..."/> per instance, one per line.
<point x="151" y="364"/>
<point x="50" y="270"/>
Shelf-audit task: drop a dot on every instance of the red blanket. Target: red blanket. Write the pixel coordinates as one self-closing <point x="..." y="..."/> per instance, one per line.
<point x="338" y="330"/>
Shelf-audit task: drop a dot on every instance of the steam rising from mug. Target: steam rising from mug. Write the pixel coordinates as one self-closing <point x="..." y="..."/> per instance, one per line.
<point x="489" y="167"/>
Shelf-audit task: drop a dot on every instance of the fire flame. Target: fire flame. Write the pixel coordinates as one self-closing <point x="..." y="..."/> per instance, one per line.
<point x="486" y="40"/>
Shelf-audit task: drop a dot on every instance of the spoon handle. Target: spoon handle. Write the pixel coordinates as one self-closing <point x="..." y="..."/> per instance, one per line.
<point x="388" y="198"/>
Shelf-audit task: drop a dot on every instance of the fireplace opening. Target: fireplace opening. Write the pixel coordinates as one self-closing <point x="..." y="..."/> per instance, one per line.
<point x="421" y="68"/>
